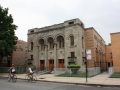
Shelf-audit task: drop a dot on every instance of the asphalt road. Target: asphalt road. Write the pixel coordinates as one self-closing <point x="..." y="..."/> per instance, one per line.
<point x="24" y="85"/>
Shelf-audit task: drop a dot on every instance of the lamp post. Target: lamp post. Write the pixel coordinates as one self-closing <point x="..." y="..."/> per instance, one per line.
<point x="88" y="56"/>
<point x="86" y="67"/>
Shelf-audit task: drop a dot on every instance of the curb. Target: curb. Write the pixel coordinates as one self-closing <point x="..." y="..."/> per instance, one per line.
<point x="101" y="85"/>
<point x="98" y="85"/>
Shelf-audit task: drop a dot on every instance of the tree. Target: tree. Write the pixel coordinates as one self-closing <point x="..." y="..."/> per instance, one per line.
<point x="8" y="39"/>
<point x="109" y="44"/>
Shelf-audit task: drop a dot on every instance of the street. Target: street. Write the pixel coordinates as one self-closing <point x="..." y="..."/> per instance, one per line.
<point x="24" y="85"/>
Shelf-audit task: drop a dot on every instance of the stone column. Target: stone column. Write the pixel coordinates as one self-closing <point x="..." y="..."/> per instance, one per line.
<point x="36" y="57"/>
<point x="55" y="55"/>
<point x="46" y="57"/>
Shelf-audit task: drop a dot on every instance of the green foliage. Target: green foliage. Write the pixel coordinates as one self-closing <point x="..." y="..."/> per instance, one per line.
<point x="8" y="39"/>
<point x="115" y="75"/>
<point x="73" y="66"/>
<point x="109" y="44"/>
<point x="18" y="48"/>
<point x="83" y="74"/>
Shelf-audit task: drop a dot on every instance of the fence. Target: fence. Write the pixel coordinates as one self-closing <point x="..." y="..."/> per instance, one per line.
<point x="19" y="70"/>
<point x="81" y="72"/>
<point x="111" y="71"/>
<point x="93" y="71"/>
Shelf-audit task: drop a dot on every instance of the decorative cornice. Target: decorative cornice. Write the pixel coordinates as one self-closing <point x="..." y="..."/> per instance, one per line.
<point x="58" y="28"/>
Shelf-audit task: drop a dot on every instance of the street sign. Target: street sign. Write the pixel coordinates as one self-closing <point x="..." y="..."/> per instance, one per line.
<point x="88" y="54"/>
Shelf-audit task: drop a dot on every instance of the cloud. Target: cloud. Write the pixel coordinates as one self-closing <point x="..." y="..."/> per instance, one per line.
<point x="103" y="15"/>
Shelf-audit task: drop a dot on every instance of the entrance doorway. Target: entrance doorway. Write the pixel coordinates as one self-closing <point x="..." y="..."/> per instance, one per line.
<point x="51" y="64"/>
<point x="61" y="63"/>
<point x="42" y="64"/>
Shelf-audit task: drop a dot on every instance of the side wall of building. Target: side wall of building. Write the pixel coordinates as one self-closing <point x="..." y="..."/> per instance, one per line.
<point x="108" y="50"/>
<point x="115" y="41"/>
<point x="96" y="44"/>
<point x="19" y="56"/>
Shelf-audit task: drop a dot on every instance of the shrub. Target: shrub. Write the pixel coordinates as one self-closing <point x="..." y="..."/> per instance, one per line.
<point x="74" y="68"/>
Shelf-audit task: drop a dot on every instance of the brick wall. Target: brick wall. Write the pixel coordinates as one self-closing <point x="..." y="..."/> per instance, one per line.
<point x="108" y="50"/>
<point x="115" y="41"/>
<point x="18" y="56"/>
<point x="96" y="43"/>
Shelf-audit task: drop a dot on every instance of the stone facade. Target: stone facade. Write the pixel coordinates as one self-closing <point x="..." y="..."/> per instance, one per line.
<point x="57" y="46"/>
<point x="115" y="45"/>
<point x="61" y="44"/>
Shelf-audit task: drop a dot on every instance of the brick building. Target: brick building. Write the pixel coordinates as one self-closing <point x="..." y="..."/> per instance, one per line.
<point x="115" y="45"/>
<point x="109" y="57"/>
<point x="18" y="56"/>
<point x="96" y="44"/>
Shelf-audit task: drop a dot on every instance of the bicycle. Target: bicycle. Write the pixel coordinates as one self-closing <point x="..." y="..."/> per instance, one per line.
<point x="32" y="78"/>
<point x="13" y="77"/>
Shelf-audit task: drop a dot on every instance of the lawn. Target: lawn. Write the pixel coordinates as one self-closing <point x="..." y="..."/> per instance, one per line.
<point x="73" y="75"/>
<point x="115" y="75"/>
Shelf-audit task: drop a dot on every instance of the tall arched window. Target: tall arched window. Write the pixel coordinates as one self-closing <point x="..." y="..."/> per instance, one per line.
<point x="63" y="43"/>
<point x="51" y="43"/>
<point x="72" y="40"/>
<point x="42" y="47"/>
<point x="31" y="45"/>
<point x="82" y="43"/>
<point x="60" y="41"/>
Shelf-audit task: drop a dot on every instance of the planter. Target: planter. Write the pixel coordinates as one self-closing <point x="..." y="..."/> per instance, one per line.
<point x="74" y="70"/>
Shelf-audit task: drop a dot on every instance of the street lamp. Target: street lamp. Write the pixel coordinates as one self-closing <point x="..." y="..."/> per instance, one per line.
<point x="85" y="59"/>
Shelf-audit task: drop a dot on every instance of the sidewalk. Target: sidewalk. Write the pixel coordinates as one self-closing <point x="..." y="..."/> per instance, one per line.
<point x="101" y="79"/>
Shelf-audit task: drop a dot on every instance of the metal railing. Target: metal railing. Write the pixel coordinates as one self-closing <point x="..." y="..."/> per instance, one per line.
<point x="110" y="71"/>
<point x="82" y="71"/>
<point x="19" y="70"/>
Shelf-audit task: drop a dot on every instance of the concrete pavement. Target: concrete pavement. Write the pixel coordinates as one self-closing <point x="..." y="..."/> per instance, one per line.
<point x="101" y="79"/>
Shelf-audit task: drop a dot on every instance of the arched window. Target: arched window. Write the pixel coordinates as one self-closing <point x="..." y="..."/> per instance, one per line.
<point x="63" y="43"/>
<point x="51" y="43"/>
<point x="72" y="40"/>
<point x="82" y="43"/>
<point x="42" y="46"/>
<point x="60" y="41"/>
<point x="31" y="45"/>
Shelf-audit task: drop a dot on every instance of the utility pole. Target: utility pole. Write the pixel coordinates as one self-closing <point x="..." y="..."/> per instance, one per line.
<point x="88" y="56"/>
<point x="86" y="65"/>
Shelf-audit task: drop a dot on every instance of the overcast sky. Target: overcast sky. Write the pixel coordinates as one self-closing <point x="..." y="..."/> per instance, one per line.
<point x="103" y="15"/>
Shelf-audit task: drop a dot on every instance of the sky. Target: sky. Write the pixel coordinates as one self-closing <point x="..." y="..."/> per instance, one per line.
<point x="102" y="15"/>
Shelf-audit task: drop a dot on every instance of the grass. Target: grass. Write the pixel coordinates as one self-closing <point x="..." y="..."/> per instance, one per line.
<point x="73" y="75"/>
<point x="115" y="75"/>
